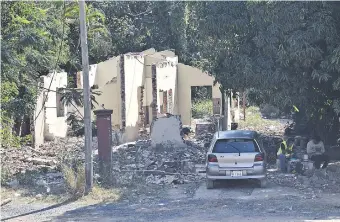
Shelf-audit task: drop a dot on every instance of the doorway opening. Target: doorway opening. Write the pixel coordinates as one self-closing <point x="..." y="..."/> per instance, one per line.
<point x="201" y="102"/>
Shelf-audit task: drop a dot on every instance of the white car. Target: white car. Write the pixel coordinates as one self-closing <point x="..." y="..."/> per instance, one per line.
<point x="235" y="154"/>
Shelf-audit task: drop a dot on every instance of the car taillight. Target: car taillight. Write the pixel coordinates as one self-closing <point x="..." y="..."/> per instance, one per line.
<point x="212" y="158"/>
<point x="259" y="157"/>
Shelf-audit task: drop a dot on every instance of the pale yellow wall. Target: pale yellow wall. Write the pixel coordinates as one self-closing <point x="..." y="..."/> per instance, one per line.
<point x="92" y="75"/>
<point x="151" y="58"/>
<point x="134" y="70"/>
<point x="106" y="76"/>
<point x="187" y="77"/>
<point x="39" y="123"/>
<point x="166" y="80"/>
<point x="57" y="126"/>
<point x="108" y="81"/>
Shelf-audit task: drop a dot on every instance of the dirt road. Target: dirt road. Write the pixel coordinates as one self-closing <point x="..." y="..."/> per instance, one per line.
<point x="238" y="201"/>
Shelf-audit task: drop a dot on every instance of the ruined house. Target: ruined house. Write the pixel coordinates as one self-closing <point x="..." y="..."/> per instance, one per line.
<point x="140" y="87"/>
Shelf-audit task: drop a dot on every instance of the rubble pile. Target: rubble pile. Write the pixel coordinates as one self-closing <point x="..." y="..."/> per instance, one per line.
<point x="45" y="158"/>
<point x="270" y="130"/>
<point x="325" y="180"/>
<point x="146" y="157"/>
<point x="160" y="165"/>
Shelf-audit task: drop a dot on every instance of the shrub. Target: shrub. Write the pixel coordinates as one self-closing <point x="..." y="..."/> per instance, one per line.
<point x="202" y="108"/>
<point x="74" y="179"/>
<point x="270" y="111"/>
<point x="8" y="139"/>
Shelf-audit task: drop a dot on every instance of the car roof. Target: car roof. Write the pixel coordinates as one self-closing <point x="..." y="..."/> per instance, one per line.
<point x="240" y="134"/>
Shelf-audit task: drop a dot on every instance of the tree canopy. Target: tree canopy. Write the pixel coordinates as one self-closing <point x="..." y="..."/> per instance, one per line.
<point x="285" y="54"/>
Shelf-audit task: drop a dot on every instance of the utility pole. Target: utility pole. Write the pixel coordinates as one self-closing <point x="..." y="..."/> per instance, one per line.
<point x="87" y="100"/>
<point x="244" y="105"/>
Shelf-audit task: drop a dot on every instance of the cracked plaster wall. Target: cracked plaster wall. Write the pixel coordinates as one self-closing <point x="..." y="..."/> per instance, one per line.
<point x="47" y="123"/>
<point x="166" y="131"/>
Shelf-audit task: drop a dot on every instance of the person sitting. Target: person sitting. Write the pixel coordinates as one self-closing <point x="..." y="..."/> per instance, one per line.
<point x="316" y="152"/>
<point x="285" y="152"/>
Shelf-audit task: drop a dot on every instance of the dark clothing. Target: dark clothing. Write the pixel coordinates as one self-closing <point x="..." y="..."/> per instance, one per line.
<point x="318" y="159"/>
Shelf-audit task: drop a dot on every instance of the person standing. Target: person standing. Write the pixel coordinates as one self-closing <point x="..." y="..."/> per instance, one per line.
<point x="316" y="152"/>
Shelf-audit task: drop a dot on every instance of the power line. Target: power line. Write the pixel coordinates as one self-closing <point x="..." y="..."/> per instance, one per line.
<point x="58" y="58"/>
<point x="70" y="102"/>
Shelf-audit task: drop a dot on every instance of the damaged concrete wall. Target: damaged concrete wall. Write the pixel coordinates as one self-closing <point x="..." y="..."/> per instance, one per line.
<point x="166" y="132"/>
<point x="187" y="77"/>
<point x="39" y="124"/>
<point x="152" y="57"/>
<point x="105" y="75"/>
<point x="51" y="115"/>
<point x="167" y="86"/>
<point x="134" y="75"/>
<point x="92" y="76"/>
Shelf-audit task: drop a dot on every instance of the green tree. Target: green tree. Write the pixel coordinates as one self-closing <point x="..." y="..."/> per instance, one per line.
<point x="286" y="53"/>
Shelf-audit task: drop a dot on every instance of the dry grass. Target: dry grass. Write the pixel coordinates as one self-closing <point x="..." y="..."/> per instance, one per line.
<point x="75" y="187"/>
<point x="254" y="121"/>
<point x="74" y="180"/>
<point x="100" y="194"/>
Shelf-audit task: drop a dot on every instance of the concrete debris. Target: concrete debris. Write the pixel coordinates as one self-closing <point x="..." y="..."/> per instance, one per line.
<point x="6" y="201"/>
<point x="160" y="180"/>
<point x="164" y="159"/>
<point x="13" y="184"/>
<point x="143" y="156"/>
<point x="317" y="180"/>
<point x="46" y="158"/>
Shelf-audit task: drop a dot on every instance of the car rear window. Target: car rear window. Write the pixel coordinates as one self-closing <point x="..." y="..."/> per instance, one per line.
<point x="235" y="146"/>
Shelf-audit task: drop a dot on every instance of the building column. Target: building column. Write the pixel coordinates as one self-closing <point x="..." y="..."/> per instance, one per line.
<point x="104" y="135"/>
<point x="154" y="92"/>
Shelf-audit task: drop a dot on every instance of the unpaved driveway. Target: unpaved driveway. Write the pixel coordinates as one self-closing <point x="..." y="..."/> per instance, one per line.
<point x="228" y="202"/>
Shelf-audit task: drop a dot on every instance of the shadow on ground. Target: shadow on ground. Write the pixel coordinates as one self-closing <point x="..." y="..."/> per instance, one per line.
<point x="181" y="212"/>
<point x="39" y="211"/>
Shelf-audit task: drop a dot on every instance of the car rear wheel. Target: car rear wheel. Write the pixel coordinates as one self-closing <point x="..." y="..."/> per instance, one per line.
<point x="263" y="183"/>
<point x="210" y="184"/>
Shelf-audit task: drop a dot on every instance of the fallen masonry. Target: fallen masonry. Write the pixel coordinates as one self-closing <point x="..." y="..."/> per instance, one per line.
<point x="164" y="159"/>
<point x="312" y="181"/>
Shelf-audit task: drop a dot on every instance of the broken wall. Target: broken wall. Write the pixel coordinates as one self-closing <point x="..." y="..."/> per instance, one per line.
<point x="166" y="132"/>
<point x="187" y="77"/>
<point x="166" y="73"/>
<point x="152" y="57"/>
<point x="92" y="76"/>
<point x="107" y="80"/>
<point x="105" y="75"/>
<point x="50" y="113"/>
<point x="134" y="75"/>
<point x="39" y="123"/>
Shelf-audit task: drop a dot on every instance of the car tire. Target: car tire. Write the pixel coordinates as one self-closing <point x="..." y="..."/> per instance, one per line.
<point x="210" y="184"/>
<point x="263" y="183"/>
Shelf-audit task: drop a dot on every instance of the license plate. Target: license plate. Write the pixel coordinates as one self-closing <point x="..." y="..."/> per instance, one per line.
<point x="236" y="173"/>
